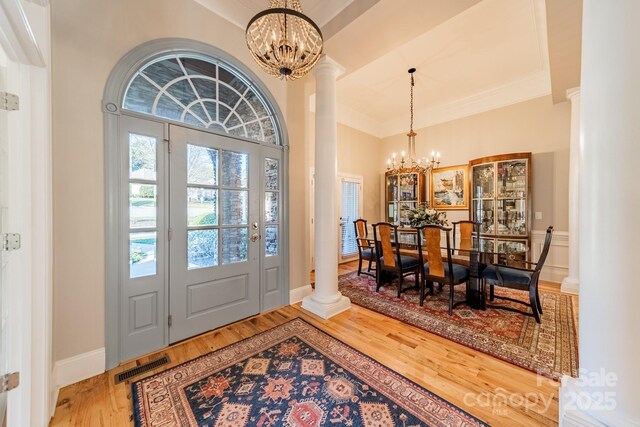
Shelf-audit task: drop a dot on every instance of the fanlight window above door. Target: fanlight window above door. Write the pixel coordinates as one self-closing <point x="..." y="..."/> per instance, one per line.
<point x="203" y="93"/>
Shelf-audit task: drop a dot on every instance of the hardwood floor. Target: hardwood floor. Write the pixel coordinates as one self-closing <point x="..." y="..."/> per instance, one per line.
<point x="497" y="392"/>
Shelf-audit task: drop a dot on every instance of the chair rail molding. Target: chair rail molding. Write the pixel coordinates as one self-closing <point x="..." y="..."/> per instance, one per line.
<point x="557" y="266"/>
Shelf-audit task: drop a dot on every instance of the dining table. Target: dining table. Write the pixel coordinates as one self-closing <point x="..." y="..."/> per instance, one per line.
<point x="473" y="253"/>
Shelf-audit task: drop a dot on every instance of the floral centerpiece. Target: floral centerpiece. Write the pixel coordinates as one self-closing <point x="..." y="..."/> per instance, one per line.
<point x="422" y="214"/>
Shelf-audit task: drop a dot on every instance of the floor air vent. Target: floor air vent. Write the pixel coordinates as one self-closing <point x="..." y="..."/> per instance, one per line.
<point x="141" y="369"/>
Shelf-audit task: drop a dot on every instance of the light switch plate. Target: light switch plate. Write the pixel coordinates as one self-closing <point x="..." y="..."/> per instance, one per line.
<point x="538" y="215"/>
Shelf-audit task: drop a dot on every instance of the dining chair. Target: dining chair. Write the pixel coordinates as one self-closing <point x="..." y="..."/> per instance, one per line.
<point x="366" y="249"/>
<point x="389" y="259"/>
<point x="435" y="270"/>
<point x="466" y="230"/>
<point x="518" y="278"/>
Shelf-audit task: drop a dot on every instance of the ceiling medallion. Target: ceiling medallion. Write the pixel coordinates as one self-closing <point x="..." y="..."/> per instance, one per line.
<point x="284" y="41"/>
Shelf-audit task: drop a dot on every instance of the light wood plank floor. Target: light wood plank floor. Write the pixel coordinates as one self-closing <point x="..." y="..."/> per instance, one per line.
<point x="492" y="390"/>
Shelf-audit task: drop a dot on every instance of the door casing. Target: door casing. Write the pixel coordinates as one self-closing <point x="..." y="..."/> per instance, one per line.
<point x="113" y="113"/>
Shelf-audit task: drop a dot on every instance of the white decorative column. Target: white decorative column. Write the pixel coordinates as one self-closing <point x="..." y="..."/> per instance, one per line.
<point x="570" y="284"/>
<point x="326" y="301"/>
<point x="608" y="391"/>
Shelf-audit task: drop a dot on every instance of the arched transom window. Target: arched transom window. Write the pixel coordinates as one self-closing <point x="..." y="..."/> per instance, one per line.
<point x="202" y="93"/>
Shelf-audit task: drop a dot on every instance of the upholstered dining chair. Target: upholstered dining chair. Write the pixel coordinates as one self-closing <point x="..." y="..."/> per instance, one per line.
<point x="435" y="270"/>
<point x="366" y="249"/>
<point x="388" y="258"/>
<point x="519" y="278"/>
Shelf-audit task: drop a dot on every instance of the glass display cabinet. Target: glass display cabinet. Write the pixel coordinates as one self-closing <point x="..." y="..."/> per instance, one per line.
<point x="404" y="190"/>
<point x="501" y="203"/>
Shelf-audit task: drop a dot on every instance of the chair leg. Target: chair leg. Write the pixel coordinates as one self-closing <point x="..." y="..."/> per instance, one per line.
<point x="423" y="286"/>
<point x="533" y="304"/>
<point x="539" y="303"/>
<point x="378" y="279"/>
<point x="360" y="265"/>
<point x="369" y="268"/>
<point x="400" y="285"/>
<point x="431" y="290"/>
<point x="492" y="296"/>
<point x="451" y="299"/>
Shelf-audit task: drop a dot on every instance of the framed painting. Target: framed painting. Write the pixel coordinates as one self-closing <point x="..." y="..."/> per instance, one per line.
<point x="449" y="188"/>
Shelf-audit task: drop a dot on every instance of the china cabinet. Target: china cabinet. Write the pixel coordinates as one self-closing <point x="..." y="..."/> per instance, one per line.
<point x="403" y="190"/>
<point x="501" y="202"/>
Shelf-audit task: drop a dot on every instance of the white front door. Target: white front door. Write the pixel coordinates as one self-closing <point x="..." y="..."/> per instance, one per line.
<point x="215" y="231"/>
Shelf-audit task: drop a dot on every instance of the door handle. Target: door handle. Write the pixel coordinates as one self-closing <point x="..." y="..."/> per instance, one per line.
<point x="255" y="237"/>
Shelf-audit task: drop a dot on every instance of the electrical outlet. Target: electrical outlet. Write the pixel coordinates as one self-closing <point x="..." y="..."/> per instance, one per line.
<point x="538" y="215"/>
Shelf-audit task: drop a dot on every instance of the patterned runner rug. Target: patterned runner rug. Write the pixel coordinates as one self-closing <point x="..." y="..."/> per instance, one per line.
<point x="291" y="375"/>
<point x="549" y="348"/>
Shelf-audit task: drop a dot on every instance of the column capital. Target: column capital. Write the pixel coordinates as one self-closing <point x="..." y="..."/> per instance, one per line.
<point x="327" y="64"/>
<point x="573" y="92"/>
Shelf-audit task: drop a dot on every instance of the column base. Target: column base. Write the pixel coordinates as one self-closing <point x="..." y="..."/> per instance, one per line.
<point x="570" y="285"/>
<point x="576" y="402"/>
<point x="326" y="310"/>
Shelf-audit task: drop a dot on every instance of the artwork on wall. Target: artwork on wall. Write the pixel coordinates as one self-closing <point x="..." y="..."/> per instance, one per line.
<point x="449" y="187"/>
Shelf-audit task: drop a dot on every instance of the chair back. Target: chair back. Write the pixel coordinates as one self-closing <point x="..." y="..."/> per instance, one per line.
<point x="382" y="233"/>
<point x="467" y="228"/>
<point x="431" y="235"/>
<point x="360" y="226"/>
<point x="545" y="249"/>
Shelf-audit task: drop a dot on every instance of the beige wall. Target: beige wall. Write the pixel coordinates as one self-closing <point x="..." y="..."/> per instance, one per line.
<point x="536" y="126"/>
<point x="88" y="39"/>
<point x="359" y="154"/>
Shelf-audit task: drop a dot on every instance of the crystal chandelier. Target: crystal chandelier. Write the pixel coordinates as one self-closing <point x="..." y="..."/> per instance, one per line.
<point x="422" y="165"/>
<point x="283" y="41"/>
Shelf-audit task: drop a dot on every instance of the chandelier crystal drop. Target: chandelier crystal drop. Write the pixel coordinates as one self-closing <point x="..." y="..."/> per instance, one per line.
<point x="422" y="165"/>
<point x="283" y="41"/>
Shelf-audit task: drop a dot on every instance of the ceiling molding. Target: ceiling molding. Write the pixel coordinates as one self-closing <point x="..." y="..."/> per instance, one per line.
<point x="531" y="87"/>
<point x="16" y="36"/>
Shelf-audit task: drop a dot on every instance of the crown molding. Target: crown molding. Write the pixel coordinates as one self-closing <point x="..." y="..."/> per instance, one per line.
<point x="16" y="36"/>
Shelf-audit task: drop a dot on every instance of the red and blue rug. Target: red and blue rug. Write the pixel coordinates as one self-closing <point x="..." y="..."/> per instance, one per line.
<point x="291" y="375"/>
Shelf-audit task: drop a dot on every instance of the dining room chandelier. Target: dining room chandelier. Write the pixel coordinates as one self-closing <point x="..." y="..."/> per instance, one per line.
<point x="422" y="165"/>
<point x="283" y="41"/>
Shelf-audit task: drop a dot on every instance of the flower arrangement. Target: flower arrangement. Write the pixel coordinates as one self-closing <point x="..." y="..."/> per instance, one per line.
<point x="422" y="214"/>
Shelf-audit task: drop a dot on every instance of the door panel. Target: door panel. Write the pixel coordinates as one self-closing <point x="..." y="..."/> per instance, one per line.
<point x="214" y="194"/>
<point x="272" y="245"/>
<point x="142" y="292"/>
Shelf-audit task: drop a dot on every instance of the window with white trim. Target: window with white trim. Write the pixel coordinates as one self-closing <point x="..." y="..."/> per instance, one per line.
<point x="199" y="92"/>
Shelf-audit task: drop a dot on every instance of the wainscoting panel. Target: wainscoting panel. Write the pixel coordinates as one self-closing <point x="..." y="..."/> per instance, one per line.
<point x="556" y="267"/>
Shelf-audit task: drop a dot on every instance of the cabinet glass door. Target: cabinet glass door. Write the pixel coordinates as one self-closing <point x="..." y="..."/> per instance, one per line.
<point x="512" y="179"/>
<point x="484" y="213"/>
<point x="408" y="187"/>
<point x="512" y="217"/>
<point x="483" y="181"/>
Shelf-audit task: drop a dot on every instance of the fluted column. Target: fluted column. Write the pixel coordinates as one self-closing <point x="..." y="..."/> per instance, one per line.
<point x="326" y="300"/>
<point x="608" y="390"/>
<point x="571" y="283"/>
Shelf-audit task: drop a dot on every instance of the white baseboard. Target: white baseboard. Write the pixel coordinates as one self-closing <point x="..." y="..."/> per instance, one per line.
<point x="570" y="286"/>
<point x="54" y="399"/>
<point x="575" y="403"/>
<point x="78" y="368"/>
<point x="296" y="295"/>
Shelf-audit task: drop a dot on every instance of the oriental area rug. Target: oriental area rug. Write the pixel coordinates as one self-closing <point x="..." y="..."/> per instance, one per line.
<point x="549" y="348"/>
<point x="291" y="375"/>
